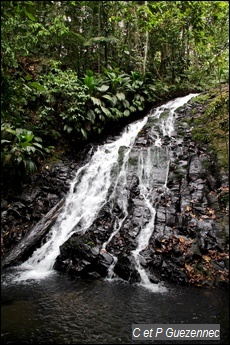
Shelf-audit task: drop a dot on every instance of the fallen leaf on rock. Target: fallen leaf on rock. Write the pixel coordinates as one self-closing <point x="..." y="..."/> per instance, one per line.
<point x="188" y="267"/>
<point x="224" y="255"/>
<point x="206" y="258"/>
<point x="157" y="250"/>
<point x="210" y="211"/>
<point x="190" y="241"/>
<point x="225" y="188"/>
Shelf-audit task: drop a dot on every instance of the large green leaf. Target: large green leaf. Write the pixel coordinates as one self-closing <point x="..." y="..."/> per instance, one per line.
<point x="38" y="139"/>
<point x="30" y="149"/>
<point x="28" y="77"/>
<point x="91" y="115"/>
<point x="112" y="99"/>
<point x="19" y="159"/>
<point x="120" y="96"/>
<point x="132" y="109"/>
<point x="84" y="133"/>
<point x="29" y="165"/>
<point x="68" y="129"/>
<point x="152" y="87"/>
<point x="89" y="73"/>
<point x="116" y="112"/>
<point x="103" y="88"/>
<point x="106" y="111"/>
<point x="37" y="86"/>
<point x="30" y="15"/>
<point x="38" y="145"/>
<point x="125" y="103"/>
<point x="29" y="136"/>
<point x="95" y="100"/>
<point x="10" y="130"/>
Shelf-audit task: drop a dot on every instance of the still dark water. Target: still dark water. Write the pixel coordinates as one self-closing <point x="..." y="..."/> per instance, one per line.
<point x="61" y="310"/>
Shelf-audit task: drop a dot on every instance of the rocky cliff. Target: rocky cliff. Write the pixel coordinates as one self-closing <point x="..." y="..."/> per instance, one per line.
<point x="189" y="244"/>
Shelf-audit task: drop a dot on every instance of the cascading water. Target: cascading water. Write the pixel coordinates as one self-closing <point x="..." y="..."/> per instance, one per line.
<point x="89" y="191"/>
<point x="87" y="195"/>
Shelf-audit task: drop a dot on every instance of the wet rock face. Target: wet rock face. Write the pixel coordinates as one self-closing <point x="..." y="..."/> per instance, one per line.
<point x="190" y="237"/>
<point x="34" y="238"/>
<point x="80" y="257"/>
<point x="189" y="243"/>
<point x="21" y="211"/>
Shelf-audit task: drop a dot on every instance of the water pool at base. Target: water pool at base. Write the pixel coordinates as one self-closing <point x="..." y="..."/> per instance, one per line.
<point x="61" y="310"/>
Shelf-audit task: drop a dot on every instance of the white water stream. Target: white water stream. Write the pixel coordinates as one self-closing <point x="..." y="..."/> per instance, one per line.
<point x="89" y="192"/>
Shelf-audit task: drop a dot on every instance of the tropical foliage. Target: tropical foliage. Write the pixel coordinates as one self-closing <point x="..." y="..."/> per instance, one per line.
<point x="20" y="150"/>
<point x="71" y="67"/>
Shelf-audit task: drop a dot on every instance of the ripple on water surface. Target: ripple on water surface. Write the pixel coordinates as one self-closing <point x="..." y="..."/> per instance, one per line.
<point x="61" y="310"/>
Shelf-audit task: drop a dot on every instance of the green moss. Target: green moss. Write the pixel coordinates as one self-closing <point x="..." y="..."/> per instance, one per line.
<point x="121" y="154"/>
<point x="90" y="243"/>
<point x="203" y="98"/>
<point x="212" y="126"/>
<point x="180" y="132"/>
<point x="133" y="161"/>
<point x="164" y="114"/>
<point x="187" y="119"/>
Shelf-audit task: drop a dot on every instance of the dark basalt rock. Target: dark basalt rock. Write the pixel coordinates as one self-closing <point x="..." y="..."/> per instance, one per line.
<point x="125" y="268"/>
<point x="186" y="235"/>
<point x="189" y="243"/>
<point x="80" y="257"/>
<point x="22" y="210"/>
<point x="25" y="247"/>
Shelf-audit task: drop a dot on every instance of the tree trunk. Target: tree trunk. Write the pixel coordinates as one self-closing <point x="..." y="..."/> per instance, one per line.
<point x="146" y="45"/>
<point x="27" y="245"/>
<point x="99" y="34"/>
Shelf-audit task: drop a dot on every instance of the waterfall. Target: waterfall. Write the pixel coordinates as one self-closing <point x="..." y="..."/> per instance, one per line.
<point x="89" y="191"/>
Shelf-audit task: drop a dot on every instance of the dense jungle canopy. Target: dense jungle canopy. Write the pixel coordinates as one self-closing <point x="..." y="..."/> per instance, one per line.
<point x="69" y="69"/>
